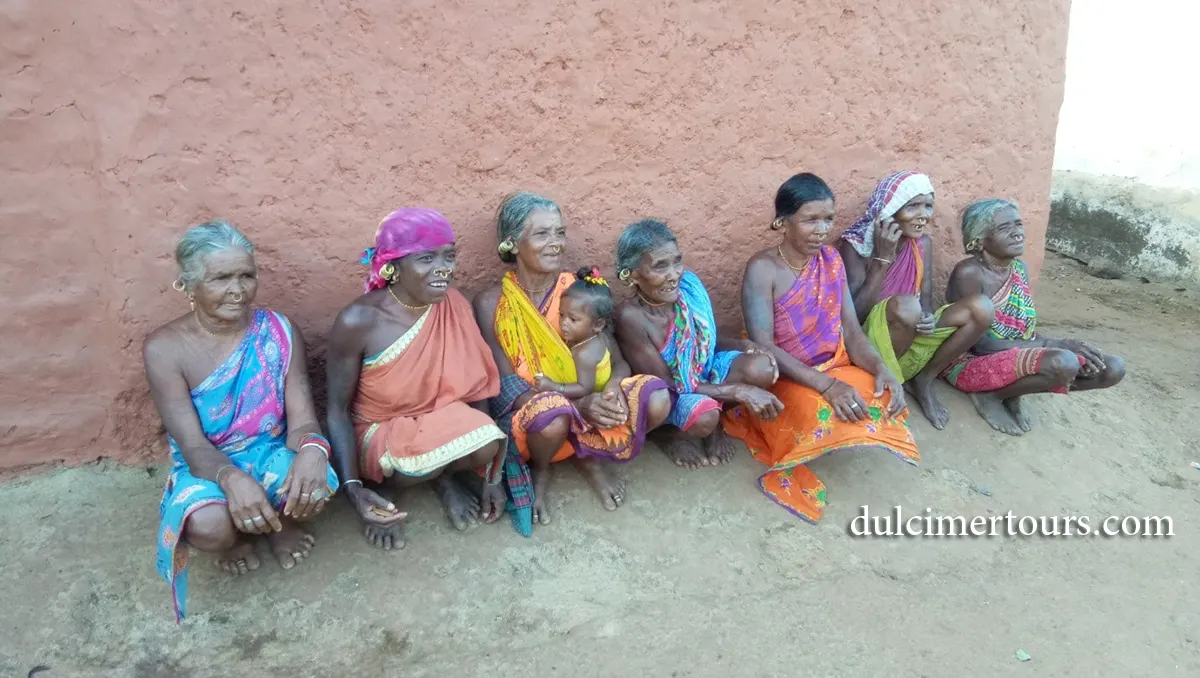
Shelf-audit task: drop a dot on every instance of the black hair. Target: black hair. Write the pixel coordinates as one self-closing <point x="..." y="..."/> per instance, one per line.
<point x="800" y="189"/>
<point x="596" y="294"/>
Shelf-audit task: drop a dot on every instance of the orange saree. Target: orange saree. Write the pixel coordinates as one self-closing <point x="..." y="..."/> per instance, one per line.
<point x="412" y="413"/>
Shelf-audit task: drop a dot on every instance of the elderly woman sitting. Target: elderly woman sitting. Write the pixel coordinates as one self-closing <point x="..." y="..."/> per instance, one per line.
<point x="889" y="269"/>
<point x="409" y="378"/>
<point x="229" y="382"/>
<point x="521" y="319"/>
<point x="667" y="329"/>
<point x="1013" y="359"/>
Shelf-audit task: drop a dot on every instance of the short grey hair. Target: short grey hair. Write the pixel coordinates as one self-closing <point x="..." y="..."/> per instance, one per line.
<point x="199" y="242"/>
<point x="978" y="218"/>
<point x="639" y="238"/>
<point x="512" y="214"/>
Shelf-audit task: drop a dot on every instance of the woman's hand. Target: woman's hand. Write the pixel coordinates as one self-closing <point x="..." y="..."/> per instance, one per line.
<point x="886" y="381"/>
<point x="887" y="238"/>
<point x="305" y="484"/>
<point x="1093" y="357"/>
<point x="762" y="403"/>
<point x="613" y="393"/>
<point x="248" y="504"/>
<point x="845" y="401"/>
<point x="602" y="410"/>
<point x="927" y="324"/>
<point x="754" y="349"/>
<point x="372" y="508"/>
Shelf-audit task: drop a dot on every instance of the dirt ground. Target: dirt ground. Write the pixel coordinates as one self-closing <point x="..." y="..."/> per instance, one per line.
<point x="698" y="574"/>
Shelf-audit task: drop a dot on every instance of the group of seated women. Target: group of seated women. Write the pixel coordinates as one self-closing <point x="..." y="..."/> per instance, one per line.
<point x="482" y="398"/>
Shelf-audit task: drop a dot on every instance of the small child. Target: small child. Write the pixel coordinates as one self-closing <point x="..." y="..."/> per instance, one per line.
<point x="585" y="312"/>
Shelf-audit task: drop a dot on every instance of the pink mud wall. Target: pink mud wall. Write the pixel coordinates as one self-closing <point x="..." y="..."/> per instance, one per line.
<point x="123" y="122"/>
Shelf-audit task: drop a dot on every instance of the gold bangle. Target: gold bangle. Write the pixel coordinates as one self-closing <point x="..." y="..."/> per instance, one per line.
<point x="886" y="261"/>
<point x="222" y="469"/>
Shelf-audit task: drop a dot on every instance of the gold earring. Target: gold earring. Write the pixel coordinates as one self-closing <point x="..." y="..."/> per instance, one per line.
<point x="387" y="271"/>
<point x="192" y="301"/>
<point x="506" y="246"/>
<point x="177" y="285"/>
<point x="777" y="225"/>
<point x="623" y="274"/>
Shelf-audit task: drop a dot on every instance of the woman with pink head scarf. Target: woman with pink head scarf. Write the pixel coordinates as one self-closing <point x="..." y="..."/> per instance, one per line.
<point x="888" y="254"/>
<point x="409" y="378"/>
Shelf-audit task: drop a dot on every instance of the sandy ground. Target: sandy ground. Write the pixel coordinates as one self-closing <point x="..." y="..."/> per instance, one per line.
<point x="698" y="574"/>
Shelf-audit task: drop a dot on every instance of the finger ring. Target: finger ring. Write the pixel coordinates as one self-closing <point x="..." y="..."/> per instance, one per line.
<point x="258" y="518"/>
<point x="855" y="406"/>
<point x="247" y="522"/>
<point x="317" y="495"/>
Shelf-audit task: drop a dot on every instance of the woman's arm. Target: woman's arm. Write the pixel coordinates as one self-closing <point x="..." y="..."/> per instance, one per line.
<point x="926" y="245"/>
<point x="864" y="278"/>
<point x="297" y="393"/>
<point x="172" y="398"/>
<point x="758" y="296"/>
<point x="343" y="365"/>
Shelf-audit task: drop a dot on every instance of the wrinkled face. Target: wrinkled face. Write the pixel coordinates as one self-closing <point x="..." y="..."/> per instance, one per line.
<point x="542" y="243"/>
<point x="425" y="276"/>
<point x="658" y="273"/>
<point x="1005" y="240"/>
<point x="808" y="228"/>
<point x="915" y="216"/>
<point x="577" y="321"/>
<point x="229" y="284"/>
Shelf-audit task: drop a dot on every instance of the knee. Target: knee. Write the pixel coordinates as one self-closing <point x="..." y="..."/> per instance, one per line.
<point x="210" y="529"/>
<point x="759" y="371"/>
<point x="481" y="457"/>
<point x="983" y="314"/>
<point x="904" y="311"/>
<point x="706" y="424"/>
<point x="1060" y="365"/>
<point x="1114" y="371"/>
<point x="555" y="432"/>
<point x="659" y="407"/>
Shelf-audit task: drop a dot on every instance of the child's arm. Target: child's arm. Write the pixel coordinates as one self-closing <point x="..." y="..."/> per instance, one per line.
<point x="587" y="357"/>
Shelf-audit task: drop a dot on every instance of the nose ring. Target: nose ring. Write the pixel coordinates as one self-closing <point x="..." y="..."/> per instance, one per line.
<point x="443" y="273"/>
<point x="237" y="297"/>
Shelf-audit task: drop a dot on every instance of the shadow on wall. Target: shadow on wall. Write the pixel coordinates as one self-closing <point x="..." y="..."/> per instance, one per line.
<point x="1139" y="228"/>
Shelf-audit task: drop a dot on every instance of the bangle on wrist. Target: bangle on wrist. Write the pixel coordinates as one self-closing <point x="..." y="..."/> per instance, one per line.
<point x="222" y="470"/>
<point x="825" y="390"/>
<point x="886" y="261"/>
<point x="346" y="483"/>
<point x="315" y="440"/>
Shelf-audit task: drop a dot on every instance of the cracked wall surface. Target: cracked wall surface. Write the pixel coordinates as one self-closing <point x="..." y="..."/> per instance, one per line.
<point x="121" y="123"/>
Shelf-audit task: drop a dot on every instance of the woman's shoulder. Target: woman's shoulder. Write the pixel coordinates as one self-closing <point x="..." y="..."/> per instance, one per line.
<point x="165" y="337"/>
<point x="487" y="298"/>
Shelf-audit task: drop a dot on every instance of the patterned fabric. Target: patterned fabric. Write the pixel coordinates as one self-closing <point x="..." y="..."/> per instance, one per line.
<point x="1016" y="318"/>
<point x="690" y="352"/>
<point x="401" y="233"/>
<point x="529" y="337"/>
<point x="890" y="195"/>
<point x="906" y="272"/>
<point x="412" y="409"/>
<point x="919" y="353"/>
<point x="807" y="428"/>
<point x="241" y="411"/>
<point x="518" y="480"/>
<point x="808" y="317"/>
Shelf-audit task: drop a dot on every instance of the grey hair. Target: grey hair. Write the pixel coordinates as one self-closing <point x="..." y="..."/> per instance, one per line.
<point x="512" y="214"/>
<point x="199" y="242"/>
<point x="639" y="238"/>
<point x="978" y="218"/>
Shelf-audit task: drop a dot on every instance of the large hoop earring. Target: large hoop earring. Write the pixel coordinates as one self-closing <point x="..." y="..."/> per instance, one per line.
<point x="177" y="285"/>
<point x="387" y="272"/>
<point x="506" y="246"/>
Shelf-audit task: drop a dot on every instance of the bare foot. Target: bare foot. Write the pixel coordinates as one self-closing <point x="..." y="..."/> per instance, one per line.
<point x="240" y="559"/>
<point x="994" y="412"/>
<point x="541" y="483"/>
<point x="719" y="448"/>
<point x="462" y="507"/>
<point x="1014" y="408"/>
<point x="609" y="487"/>
<point x="921" y="388"/>
<point x="685" y="451"/>
<point x="386" y="538"/>
<point x="290" y="545"/>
